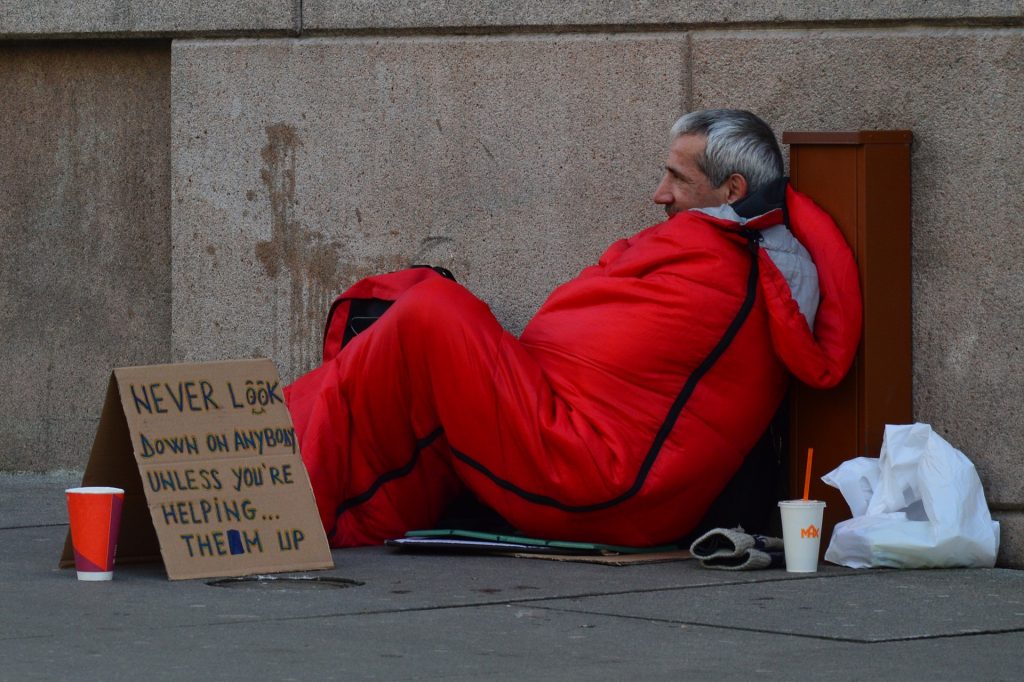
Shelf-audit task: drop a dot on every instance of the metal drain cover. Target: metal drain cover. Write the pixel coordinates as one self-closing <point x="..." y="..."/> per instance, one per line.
<point x="285" y="583"/>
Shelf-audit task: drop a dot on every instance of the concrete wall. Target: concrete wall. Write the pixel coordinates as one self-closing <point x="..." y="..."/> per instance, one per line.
<point x="960" y="92"/>
<point x="302" y="165"/>
<point x="509" y="142"/>
<point x="85" y="234"/>
<point x="50" y="19"/>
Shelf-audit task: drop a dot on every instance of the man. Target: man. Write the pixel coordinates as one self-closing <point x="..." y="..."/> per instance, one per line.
<point x="631" y="397"/>
<point x="716" y="157"/>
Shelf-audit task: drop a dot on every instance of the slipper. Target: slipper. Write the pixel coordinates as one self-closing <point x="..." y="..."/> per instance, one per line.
<point x="731" y="542"/>
<point x="749" y="560"/>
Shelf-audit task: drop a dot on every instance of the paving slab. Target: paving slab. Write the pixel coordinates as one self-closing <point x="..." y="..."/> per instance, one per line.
<point x="417" y="616"/>
<point x="385" y="580"/>
<point x="492" y="642"/>
<point x="29" y="499"/>
<point x="871" y="606"/>
<point x="141" y="623"/>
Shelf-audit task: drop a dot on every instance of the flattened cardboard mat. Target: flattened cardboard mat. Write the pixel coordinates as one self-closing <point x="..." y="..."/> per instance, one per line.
<point x="477" y="542"/>
<point x="209" y="462"/>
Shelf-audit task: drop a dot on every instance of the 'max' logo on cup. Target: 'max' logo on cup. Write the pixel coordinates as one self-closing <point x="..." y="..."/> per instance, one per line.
<point x="810" y="531"/>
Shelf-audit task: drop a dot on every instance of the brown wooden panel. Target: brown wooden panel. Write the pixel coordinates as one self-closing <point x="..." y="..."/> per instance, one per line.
<point x="828" y="173"/>
<point x="821" y="419"/>
<point x="862" y="179"/>
<point x="885" y="275"/>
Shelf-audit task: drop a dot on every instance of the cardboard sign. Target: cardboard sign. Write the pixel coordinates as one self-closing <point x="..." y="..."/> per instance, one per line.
<point x="209" y="462"/>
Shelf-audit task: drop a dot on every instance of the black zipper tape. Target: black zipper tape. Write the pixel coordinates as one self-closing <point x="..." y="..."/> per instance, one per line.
<point x="404" y="470"/>
<point x="666" y="426"/>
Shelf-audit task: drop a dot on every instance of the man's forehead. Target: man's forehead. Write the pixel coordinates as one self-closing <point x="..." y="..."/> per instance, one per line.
<point x="689" y="144"/>
<point x="684" y="151"/>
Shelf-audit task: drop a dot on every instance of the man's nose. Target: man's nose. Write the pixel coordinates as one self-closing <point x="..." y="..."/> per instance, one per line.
<point x="662" y="195"/>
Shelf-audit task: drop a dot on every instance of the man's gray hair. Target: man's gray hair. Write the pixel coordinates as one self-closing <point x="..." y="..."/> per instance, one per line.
<point x="737" y="142"/>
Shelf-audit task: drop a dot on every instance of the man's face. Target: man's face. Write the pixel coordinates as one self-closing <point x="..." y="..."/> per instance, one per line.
<point x="684" y="185"/>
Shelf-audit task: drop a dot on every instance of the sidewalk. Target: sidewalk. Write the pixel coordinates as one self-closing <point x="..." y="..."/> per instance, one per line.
<point x="414" y="616"/>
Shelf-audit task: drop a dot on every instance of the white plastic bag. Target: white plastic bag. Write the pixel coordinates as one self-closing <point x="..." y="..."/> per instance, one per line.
<point x="919" y="505"/>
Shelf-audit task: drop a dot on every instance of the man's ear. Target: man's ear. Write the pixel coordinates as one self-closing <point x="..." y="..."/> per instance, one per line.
<point x="737" y="188"/>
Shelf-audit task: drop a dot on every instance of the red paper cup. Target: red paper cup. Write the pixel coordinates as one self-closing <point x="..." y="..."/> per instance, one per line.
<point x="95" y="514"/>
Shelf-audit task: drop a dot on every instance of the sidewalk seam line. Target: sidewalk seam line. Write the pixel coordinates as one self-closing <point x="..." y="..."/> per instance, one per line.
<point x="39" y="525"/>
<point x="506" y="602"/>
<point x="907" y="638"/>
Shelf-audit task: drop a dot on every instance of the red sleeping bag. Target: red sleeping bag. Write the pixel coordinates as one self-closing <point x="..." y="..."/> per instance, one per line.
<point x="618" y="416"/>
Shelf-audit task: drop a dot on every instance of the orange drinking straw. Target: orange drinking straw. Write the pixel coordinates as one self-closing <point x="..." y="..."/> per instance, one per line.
<point x="807" y="473"/>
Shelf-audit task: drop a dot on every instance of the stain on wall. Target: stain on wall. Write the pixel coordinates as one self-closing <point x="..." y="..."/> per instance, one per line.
<point x="300" y="260"/>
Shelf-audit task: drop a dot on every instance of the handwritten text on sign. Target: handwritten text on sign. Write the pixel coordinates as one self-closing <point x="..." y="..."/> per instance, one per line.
<point x="219" y="463"/>
<point x="199" y="396"/>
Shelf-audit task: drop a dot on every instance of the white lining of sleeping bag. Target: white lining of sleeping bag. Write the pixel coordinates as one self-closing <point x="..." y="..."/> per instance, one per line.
<point x="788" y="255"/>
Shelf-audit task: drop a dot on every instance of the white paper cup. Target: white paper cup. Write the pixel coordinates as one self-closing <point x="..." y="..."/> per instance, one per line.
<point x="801" y="534"/>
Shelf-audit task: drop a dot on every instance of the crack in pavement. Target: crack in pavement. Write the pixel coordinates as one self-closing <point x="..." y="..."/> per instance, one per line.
<point x="766" y="631"/>
<point x="537" y="601"/>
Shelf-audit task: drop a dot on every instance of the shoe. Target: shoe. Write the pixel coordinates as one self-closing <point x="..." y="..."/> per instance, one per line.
<point x="749" y="560"/>
<point x="732" y="549"/>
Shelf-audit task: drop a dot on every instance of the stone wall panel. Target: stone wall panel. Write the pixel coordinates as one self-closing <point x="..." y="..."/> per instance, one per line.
<point x="959" y="92"/>
<point x="303" y="165"/>
<point x="142" y="18"/>
<point x="85" y="234"/>
<point x="328" y="15"/>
